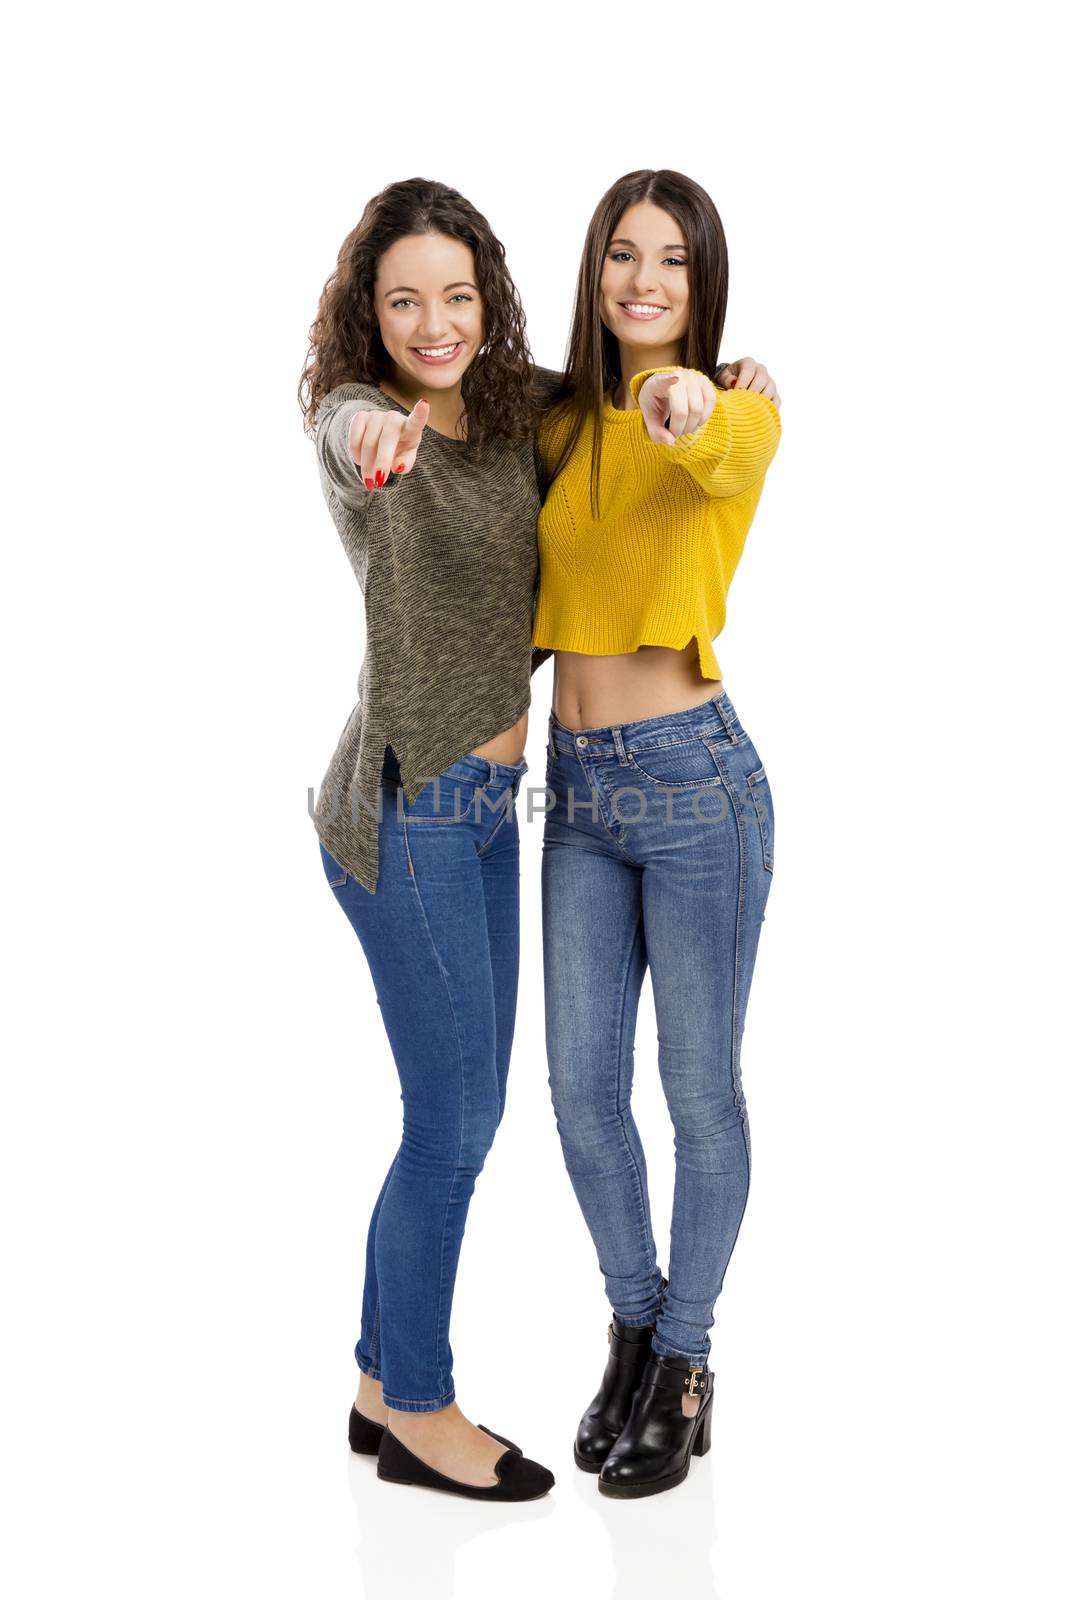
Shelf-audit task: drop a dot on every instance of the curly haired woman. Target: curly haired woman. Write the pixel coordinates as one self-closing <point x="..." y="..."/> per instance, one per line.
<point x="420" y="391"/>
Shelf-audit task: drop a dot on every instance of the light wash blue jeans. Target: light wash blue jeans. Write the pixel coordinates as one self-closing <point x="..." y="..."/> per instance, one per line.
<point x="658" y="854"/>
<point x="441" y="937"/>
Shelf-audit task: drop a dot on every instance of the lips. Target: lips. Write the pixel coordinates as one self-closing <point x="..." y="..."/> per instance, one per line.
<point x="642" y="311"/>
<point x="437" y="355"/>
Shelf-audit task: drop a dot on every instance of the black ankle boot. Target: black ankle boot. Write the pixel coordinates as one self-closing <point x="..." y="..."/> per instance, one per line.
<point x="365" y="1437"/>
<point x="629" y="1350"/>
<point x="652" y="1452"/>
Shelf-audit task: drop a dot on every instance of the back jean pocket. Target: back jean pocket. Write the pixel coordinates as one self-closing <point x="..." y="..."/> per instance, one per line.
<point x="335" y="873"/>
<point x="758" y="796"/>
<point x="687" y="764"/>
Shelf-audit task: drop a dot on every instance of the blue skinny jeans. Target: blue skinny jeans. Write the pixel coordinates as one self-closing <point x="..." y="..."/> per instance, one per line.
<point x="441" y="938"/>
<point x="658" y="855"/>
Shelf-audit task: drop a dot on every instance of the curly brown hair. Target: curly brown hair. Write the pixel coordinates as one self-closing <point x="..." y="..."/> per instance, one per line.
<point x="345" y="341"/>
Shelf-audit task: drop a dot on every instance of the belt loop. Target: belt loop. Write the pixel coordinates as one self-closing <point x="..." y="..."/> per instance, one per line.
<point x="728" y="725"/>
<point x="620" y="748"/>
<point x="492" y="774"/>
<point x="552" y="737"/>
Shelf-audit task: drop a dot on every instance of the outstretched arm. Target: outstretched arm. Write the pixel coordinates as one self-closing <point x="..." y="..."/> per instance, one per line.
<point x="360" y="444"/>
<point x="725" y="439"/>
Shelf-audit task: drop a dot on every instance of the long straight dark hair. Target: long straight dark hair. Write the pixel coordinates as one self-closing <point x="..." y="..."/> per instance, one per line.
<point x="593" y="366"/>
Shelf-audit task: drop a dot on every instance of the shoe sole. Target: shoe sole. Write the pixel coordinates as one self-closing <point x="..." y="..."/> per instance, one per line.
<point x="462" y="1490"/>
<point x="637" y="1491"/>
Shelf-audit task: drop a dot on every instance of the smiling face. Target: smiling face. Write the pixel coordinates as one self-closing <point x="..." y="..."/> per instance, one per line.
<point x="429" y="310"/>
<point x="644" y="281"/>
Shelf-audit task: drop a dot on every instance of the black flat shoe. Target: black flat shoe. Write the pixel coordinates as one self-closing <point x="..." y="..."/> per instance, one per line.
<point x="628" y="1353"/>
<point x="365" y="1436"/>
<point x="517" y="1478"/>
<point x="653" y="1451"/>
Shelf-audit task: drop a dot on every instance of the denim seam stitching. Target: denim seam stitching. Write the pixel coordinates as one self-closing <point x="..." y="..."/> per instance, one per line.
<point x="462" y="817"/>
<point x="480" y="850"/>
<point x="618" y="841"/>
<point x="635" y="1173"/>
<point x="462" y="1119"/>
<point x="742" y="874"/>
<point x="760" y="776"/>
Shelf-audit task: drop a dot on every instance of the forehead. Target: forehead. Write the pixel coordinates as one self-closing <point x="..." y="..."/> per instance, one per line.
<point x="422" y="260"/>
<point x="645" y="221"/>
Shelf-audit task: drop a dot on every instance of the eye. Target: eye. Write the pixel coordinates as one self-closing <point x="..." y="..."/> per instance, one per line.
<point x="396" y="304"/>
<point x="674" y="261"/>
<point x="620" y="255"/>
<point x="462" y="296"/>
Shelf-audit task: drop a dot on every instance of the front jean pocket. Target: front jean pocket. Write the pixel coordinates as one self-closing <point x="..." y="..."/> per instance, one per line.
<point x="443" y="800"/>
<point x="336" y="876"/>
<point x="758" y="795"/>
<point x="685" y="764"/>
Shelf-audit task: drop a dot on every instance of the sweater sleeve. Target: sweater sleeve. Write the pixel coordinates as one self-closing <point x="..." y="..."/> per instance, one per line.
<point x="734" y="448"/>
<point x="331" y="443"/>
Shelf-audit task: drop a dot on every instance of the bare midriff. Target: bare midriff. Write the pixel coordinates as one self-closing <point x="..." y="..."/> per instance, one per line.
<point x="507" y="746"/>
<point x="651" y="681"/>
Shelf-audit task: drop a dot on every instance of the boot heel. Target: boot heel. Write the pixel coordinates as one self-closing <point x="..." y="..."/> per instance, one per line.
<point x="702" y="1443"/>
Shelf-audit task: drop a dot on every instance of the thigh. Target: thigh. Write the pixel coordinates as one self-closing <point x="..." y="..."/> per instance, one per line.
<point x="426" y="941"/>
<point x="594" y="962"/>
<point x="706" y="881"/>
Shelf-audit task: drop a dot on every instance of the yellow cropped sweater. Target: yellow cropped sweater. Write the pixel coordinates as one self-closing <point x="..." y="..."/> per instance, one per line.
<point x="656" y="567"/>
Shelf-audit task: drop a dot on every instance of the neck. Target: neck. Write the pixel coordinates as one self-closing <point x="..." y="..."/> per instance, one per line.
<point x="639" y="358"/>
<point x="446" y="405"/>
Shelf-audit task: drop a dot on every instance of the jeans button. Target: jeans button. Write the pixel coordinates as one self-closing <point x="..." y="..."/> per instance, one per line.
<point x="582" y="740"/>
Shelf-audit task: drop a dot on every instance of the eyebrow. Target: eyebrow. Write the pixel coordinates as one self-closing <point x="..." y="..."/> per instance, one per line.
<point x="634" y="247"/>
<point x="407" y="288"/>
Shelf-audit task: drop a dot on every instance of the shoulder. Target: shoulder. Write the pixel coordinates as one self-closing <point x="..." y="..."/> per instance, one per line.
<point x="546" y="386"/>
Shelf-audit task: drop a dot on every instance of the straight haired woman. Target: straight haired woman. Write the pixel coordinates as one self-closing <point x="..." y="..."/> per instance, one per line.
<point x="659" y="849"/>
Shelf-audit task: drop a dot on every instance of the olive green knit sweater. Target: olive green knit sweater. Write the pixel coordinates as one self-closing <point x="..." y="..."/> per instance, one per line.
<point x="446" y="557"/>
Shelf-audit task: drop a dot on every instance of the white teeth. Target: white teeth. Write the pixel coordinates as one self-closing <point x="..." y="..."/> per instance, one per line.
<point x="643" y="311"/>
<point x="439" y="350"/>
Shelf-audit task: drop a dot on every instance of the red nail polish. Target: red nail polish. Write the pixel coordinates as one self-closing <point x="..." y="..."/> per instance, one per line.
<point x="400" y="467"/>
<point x="733" y="383"/>
<point x="369" y="482"/>
<point x="379" y="479"/>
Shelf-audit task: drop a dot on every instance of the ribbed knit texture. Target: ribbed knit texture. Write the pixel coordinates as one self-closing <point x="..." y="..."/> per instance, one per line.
<point x="656" y="567"/>
<point x="446" y="557"/>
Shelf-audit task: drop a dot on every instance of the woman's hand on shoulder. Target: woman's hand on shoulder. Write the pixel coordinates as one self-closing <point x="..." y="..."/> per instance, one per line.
<point x="381" y="442"/>
<point x="749" y="374"/>
<point x="675" y="403"/>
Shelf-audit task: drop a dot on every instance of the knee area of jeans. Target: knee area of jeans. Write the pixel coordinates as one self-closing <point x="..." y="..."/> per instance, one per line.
<point x="583" y="1128"/>
<point x="479" y="1131"/>
<point x="705" y="1117"/>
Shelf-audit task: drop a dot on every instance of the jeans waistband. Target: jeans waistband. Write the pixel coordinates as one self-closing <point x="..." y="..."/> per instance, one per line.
<point x="477" y="768"/>
<point x="711" y="716"/>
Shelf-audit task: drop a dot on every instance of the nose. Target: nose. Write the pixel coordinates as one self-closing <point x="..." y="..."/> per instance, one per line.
<point x="434" y="324"/>
<point x="645" y="284"/>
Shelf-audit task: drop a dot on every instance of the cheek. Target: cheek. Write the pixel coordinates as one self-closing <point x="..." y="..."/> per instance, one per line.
<point x="392" y="337"/>
<point x="473" y="323"/>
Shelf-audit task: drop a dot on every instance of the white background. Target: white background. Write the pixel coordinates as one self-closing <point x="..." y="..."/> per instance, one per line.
<point x="199" y="1102"/>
